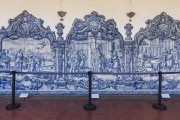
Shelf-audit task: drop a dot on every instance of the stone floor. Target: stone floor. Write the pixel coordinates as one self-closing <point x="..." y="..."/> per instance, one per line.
<point x="108" y="108"/>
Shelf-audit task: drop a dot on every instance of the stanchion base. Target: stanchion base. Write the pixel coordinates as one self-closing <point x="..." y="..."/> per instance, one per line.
<point x="12" y="106"/>
<point x="89" y="107"/>
<point x="159" y="106"/>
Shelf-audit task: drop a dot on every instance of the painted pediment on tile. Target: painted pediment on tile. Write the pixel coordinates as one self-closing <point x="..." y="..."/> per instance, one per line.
<point x="26" y="25"/>
<point x="161" y="27"/>
<point x="94" y="24"/>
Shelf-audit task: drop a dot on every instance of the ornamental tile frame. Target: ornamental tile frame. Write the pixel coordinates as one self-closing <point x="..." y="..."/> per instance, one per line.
<point x="27" y="46"/>
<point x="93" y="44"/>
<point x="157" y="48"/>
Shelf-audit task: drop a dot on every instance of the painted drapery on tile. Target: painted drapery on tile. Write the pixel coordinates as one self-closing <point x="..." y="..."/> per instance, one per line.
<point x="93" y="44"/>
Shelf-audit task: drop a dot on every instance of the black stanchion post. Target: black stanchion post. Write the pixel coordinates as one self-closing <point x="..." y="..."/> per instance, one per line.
<point x="90" y="106"/>
<point x="13" y="105"/>
<point x="159" y="105"/>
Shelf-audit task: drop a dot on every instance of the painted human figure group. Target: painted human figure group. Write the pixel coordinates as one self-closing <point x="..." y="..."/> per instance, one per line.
<point x="21" y="61"/>
<point x="4" y="60"/>
<point x="29" y="62"/>
<point x="168" y="60"/>
<point x="78" y="61"/>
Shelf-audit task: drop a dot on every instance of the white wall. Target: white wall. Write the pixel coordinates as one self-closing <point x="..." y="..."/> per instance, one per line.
<point x="116" y="9"/>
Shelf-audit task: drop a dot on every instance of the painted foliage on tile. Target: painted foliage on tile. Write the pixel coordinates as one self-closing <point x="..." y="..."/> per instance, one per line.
<point x="93" y="44"/>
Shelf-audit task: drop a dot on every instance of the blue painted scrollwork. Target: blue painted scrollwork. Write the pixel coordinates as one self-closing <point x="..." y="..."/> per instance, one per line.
<point x="161" y="27"/>
<point x="94" y="24"/>
<point x="26" y="26"/>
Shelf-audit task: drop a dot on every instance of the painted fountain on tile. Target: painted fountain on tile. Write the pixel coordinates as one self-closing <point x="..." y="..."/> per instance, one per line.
<point x="93" y="44"/>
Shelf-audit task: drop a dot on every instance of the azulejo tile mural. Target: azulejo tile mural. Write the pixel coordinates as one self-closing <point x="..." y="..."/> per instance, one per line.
<point x="93" y="44"/>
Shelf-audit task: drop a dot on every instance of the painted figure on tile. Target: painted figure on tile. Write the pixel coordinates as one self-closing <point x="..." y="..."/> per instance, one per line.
<point x="121" y="59"/>
<point x="128" y="59"/>
<point x="103" y="59"/>
<point x="163" y="61"/>
<point x="5" y="59"/>
<point x="73" y="61"/>
<point x="81" y="60"/>
<point x="19" y="60"/>
<point x="30" y="63"/>
<point x="170" y="60"/>
<point x="95" y="60"/>
<point x="142" y="58"/>
<point x="115" y="61"/>
<point x="24" y="26"/>
<point x="103" y="62"/>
